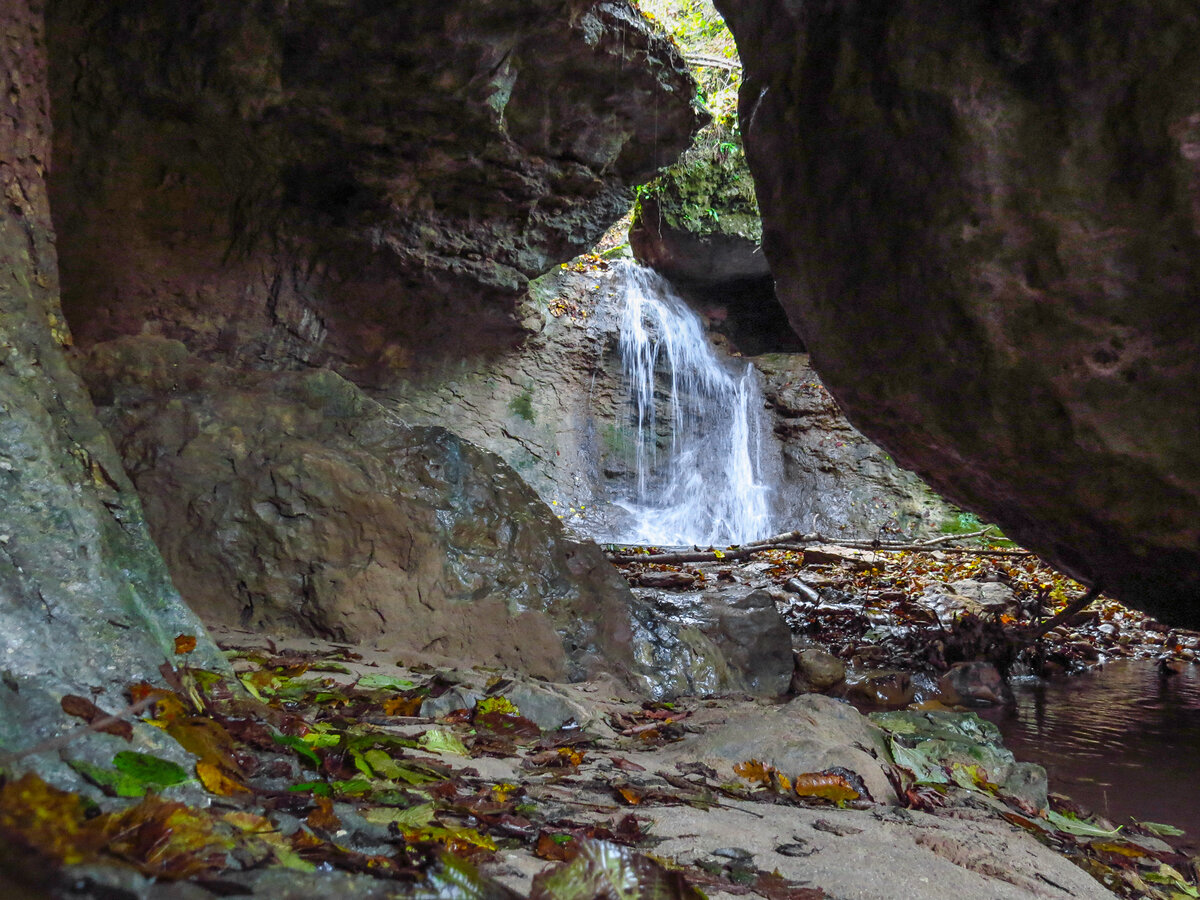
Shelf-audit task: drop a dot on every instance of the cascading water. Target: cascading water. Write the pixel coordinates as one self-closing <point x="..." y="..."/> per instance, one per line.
<point x="699" y="456"/>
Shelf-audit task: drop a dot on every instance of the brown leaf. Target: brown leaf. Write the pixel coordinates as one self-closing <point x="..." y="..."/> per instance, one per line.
<point x="402" y="706"/>
<point x="83" y="708"/>
<point x="206" y="738"/>
<point x="630" y="794"/>
<point x="323" y="817"/>
<point x="754" y="770"/>
<point x="557" y="847"/>
<point x="185" y="643"/>
<point x="837" y="784"/>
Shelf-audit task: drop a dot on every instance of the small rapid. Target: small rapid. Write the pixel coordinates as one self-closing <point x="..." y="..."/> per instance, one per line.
<point x="699" y="426"/>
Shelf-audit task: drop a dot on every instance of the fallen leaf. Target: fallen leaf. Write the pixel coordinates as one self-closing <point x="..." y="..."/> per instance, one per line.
<point x="216" y="781"/>
<point x="185" y="643"/>
<point x="754" y="770"/>
<point x="555" y="846"/>
<point x="322" y="816"/>
<point x="827" y="785"/>
<point x="149" y="769"/>
<point x="83" y="708"/>
<point x="402" y="706"/>
<point x="413" y="817"/>
<point x="437" y="741"/>
<point x="500" y="705"/>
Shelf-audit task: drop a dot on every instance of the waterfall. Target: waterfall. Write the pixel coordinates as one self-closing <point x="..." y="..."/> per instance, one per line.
<point x="698" y="450"/>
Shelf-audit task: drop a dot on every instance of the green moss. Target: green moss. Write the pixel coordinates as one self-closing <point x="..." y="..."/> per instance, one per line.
<point x="709" y="190"/>
<point x="522" y="406"/>
<point x="616" y="441"/>
<point x="961" y="523"/>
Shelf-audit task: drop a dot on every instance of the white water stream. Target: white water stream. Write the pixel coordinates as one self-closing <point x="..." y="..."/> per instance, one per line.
<point x="699" y="448"/>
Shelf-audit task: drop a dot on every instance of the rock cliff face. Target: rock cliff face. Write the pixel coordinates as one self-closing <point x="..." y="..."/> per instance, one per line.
<point x="361" y="185"/>
<point x="283" y="185"/>
<point x="557" y="411"/>
<point x="86" y="605"/>
<point x="984" y="221"/>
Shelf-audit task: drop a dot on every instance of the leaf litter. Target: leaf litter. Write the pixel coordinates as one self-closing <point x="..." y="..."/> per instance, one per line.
<point x="309" y="773"/>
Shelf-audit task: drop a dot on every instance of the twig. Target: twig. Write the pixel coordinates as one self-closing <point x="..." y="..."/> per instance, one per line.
<point x="696" y="556"/>
<point x="62" y="740"/>
<point x="1065" y="613"/>
<point x="797" y="540"/>
<point x="712" y="62"/>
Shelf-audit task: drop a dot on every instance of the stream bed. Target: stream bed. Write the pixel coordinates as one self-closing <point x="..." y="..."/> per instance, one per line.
<point x="1120" y="740"/>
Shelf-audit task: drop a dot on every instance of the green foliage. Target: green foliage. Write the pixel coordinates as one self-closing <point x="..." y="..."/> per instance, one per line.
<point x="701" y="33"/>
<point x="962" y="523"/>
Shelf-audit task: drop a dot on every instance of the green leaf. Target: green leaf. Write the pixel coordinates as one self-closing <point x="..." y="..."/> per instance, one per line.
<point x="319" y="788"/>
<point x="501" y="705"/>
<point x="380" y="682"/>
<point x="317" y="739"/>
<point x="329" y="667"/>
<point x="1162" y="830"/>
<point x="924" y="770"/>
<point x="381" y="764"/>
<point x="109" y="780"/>
<point x="1078" y="826"/>
<point x="437" y="741"/>
<point x="299" y="745"/>
<point x="150" y="769"/>
<point x="411" y="818"/>
<point x="355" y="786"/>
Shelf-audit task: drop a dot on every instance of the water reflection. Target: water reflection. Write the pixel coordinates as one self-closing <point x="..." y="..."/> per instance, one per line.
<point x="1121" y="740"/>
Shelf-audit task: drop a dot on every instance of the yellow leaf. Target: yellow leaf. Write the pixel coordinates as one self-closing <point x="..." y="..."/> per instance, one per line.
<point x="217" y="782"/>
<point x="754" y="770"/>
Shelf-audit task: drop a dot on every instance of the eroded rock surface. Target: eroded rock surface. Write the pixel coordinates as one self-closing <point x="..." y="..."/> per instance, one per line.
<point x="983" y="220"/>
<point x="86" y="605"/>
<point x="369" y="186"/>
<point x="836" y="481"/>
<point x="292" y="502"/>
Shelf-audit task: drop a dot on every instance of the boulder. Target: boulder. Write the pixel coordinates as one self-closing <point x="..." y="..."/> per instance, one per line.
<point x="984" y="221"/>
<point x="975" y="683"/>
<point x="698" y="222"/>
<point x="363" y="185"/>
<point x="816" y="670"/>
<point x="991" y="597"/>
<point x="978" y="598"/>
<point x="809" y="734"/>
<point x="711" y="643"/>
<point x="292" y="502"/>
<point x="881" y="688"/>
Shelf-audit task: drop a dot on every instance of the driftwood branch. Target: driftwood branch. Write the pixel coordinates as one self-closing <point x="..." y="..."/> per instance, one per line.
<point x="711" y="62"/>
<point x="698" y="556"/>
<point x="1064" y="614"/>
<point x="798" y="540"/>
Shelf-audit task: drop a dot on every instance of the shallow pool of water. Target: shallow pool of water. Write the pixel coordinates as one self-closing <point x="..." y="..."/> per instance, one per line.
<point x="1120" y="740"/>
